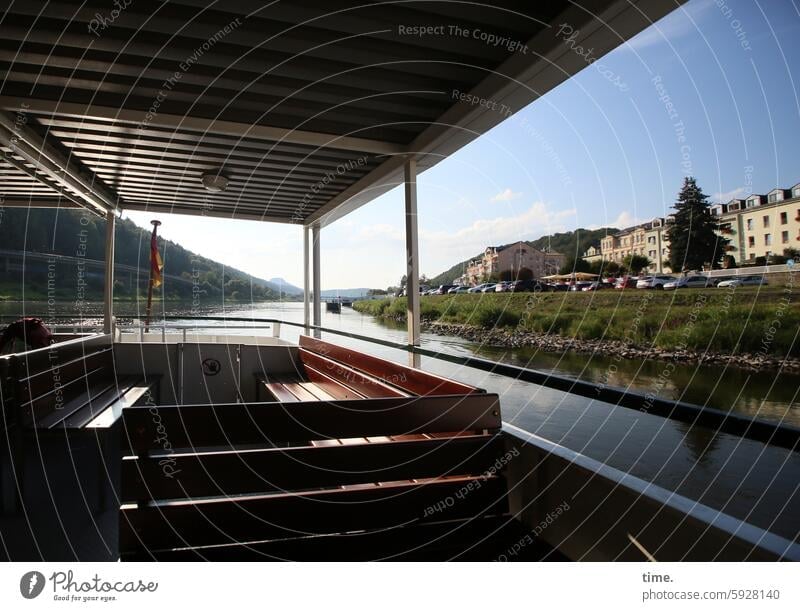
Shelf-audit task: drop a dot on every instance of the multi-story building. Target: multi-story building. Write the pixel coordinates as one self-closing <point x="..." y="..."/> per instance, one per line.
<point x="757" y="226"/>
<point x="646" y="240"/>
<point x="592" y="254"/>
<point x="512" y="261"/>
<point x="761" y="225"/>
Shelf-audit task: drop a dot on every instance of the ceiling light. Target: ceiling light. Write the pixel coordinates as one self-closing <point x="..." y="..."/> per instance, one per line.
<point x="215" y="182"/>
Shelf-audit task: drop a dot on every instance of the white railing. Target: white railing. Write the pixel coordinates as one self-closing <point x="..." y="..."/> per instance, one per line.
<point x="169" y="332"/>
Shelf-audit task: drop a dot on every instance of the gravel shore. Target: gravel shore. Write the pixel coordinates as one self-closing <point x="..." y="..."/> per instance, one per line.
<point x="515" y="338"/>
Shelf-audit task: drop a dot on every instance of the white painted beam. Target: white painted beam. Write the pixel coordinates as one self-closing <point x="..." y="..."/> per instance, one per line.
<point x="306" y="280"/>
<point x="412" y="255"/>
<point x="315" y="258"/>
<point x="108" y="293"/>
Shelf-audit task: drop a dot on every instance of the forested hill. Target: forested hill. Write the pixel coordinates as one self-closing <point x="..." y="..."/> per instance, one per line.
<point x="79" y="233"/>
<point x="571" y="244"/>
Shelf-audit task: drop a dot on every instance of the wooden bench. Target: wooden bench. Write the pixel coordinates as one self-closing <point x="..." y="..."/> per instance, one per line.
<point x="329" y="372"/>
<point x="415" y="475"/>
<point x="60" y="407"/>
<point x="70" y="385"/>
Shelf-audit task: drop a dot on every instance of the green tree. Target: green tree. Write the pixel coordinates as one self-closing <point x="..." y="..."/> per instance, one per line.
<point x="635" y="263"/>
<point x="693" y="241"/>
<point x="575" y="265"/>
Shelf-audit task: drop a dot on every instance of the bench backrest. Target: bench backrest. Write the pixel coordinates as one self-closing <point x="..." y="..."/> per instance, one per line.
<point x="236" y="424"/>
<point x="388" y="373"/>
<point x="200" y="475"/>
<point x="44" y="381"/>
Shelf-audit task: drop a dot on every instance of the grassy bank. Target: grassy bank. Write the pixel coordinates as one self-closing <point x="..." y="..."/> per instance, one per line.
<point x="719" y="320"/>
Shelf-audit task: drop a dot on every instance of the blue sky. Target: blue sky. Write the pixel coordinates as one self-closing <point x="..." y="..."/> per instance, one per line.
<point x="602" y="149"/>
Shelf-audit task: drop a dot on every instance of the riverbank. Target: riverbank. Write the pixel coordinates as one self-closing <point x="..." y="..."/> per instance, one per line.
<point x="745" y="327"/>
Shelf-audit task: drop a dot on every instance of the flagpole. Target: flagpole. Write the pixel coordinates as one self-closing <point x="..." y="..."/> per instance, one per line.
<point x="150" y="284"/>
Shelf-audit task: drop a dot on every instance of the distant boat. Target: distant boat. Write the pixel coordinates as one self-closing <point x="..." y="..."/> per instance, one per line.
<point x="333" y="306"/>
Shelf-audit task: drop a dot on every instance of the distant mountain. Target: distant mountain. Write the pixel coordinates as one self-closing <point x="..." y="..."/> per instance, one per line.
<point x="362" y="292"/>
<point x="571" y="244"/>
<point x="279" y="284"/>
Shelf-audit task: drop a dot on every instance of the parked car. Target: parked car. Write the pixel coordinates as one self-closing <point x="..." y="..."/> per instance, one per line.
<point x="653" y="282"/>
<point x="479" y="288"/>
<point x="577" y="287"/>
<point x="688" y="282"/>
<point x="458" y="289"/>
<point x="598" y="285"/>
<point x="442" y="290"/>
<point x="530" y="286"/>
<point x="559" y="286"/>
<point x="489" y="288"/>
<point x="743" y="281"/>
<point x="627" y="282"/>
<point x="502" y="287"/>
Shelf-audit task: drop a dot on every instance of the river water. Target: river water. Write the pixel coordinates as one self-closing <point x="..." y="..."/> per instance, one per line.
<point x="744" y="478"/>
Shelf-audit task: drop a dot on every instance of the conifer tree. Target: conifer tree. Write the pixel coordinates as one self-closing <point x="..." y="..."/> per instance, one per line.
<point x="693" y="241"/>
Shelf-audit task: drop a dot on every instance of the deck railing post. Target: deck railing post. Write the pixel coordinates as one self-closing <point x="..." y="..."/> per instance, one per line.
<point x="412" y="259"/>
<point x="108" y="292"/>
<point x="306" y="280"/>
<point x="315" y="258"/>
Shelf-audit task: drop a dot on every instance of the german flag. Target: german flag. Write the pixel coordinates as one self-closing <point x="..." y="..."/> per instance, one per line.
<point x="156" y="264"/>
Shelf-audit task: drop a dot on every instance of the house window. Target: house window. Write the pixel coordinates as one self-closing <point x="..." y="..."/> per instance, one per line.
<point x="784" y="237"/>
<point x="750" y="203"/>
<point x="766" y="221"/>
<point x="796" y="192"/>
<point x="749" y="224"/>
<point x="773" y="197"/>
<point x="751" y="241"/>
<point x="767" y="239"/>
<point x="784" y="218"/>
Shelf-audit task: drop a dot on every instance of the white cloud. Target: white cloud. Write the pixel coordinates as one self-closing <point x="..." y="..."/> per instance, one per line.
<point x="625" y="219"/>
<point x="536" y="221"/>
<point x="728" y="195"/>
<point x="505" y="196"/>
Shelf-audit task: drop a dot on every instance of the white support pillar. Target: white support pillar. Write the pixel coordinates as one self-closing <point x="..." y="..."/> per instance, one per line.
<point x="316" y="276"/>
<point x="412" y="258"/>
<point x="306" y="279"/>
<point x="108" y="292"/>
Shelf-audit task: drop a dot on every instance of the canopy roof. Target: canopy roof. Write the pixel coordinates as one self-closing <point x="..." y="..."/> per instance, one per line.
<point x="310" y="108"/>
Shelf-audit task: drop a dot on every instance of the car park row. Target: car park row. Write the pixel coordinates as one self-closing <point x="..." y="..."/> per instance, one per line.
<point x="656" y="282"/>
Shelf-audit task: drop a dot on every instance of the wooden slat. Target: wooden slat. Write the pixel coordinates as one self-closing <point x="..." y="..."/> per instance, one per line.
<point x="134" y="396"/>
<point x="222" y="424"/>
<point x="43" y="381"/>
<point x="43" y="359"/>
<point x="45" y="411"/>
<point x="302" y="468"/>
<point x="481" y="539"/>
<point x="192" y="523"/>
<point x="414" y="381"/>
<point x="317" y="391"/>
<point x="298" y="391"/>
<point x="363" y="384"/>
<point x="277" y="390"/>
<point x="332" y="387"/>
<point x="98" y="404"/>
